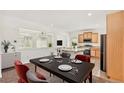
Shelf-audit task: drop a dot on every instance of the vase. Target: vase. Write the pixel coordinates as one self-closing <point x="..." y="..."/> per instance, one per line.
<point x="74" y="47"/>
<point x="6" y="49"/>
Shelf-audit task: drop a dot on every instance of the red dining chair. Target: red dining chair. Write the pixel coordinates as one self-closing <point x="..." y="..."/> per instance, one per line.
<point x="22" y="69"/>
<point x="84" y="58"/>
<point x="32" y="78"/>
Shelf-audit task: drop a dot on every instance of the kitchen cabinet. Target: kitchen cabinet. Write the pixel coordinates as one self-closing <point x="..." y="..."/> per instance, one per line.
<point x="92" y="53"/>
<point x="8" y="59"/>
<point x="94" y="37"/>
<point x="87" y="35"/>
<point x="95" y="52"/>
<point x="80" y="38"/>
<point x="98" y="53"/>
<point x="115" y="45"/>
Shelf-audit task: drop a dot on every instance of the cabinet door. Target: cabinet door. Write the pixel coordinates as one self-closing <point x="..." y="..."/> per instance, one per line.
<point x="8" y="59"/>
<point x="89" y="35"/>
<point x="85" y="35"/>
<point x="93" y="53"/>
<point x="80" y="38"/>
<point x="115" y="54"/>
<point x="98" y="53"/>
<point x="95" y="37"/>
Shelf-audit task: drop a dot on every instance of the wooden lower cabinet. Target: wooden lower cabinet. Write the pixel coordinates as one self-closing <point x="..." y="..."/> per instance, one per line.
<point x="98" y="53"/>
<point x="95" y="52"/>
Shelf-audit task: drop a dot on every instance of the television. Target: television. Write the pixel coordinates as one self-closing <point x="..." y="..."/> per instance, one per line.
<point x="59" y="42"/>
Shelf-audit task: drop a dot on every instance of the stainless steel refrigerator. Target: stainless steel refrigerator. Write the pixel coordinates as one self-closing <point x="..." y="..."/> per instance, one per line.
<point x="103" y="52"/>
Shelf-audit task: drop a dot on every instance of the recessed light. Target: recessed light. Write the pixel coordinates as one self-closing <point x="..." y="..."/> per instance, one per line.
<point x="51" y="25"/>
<point x="89" y="14"/>
<point x="97" y="25"/>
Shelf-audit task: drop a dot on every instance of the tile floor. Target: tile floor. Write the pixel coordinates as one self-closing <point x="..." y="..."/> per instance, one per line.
<point x="97" y="72"/>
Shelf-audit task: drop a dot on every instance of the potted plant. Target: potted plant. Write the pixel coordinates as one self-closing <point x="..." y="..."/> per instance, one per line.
<point x="74" y="44"/>
<point x="50" y="45"/>
<point x="5" y="44"/>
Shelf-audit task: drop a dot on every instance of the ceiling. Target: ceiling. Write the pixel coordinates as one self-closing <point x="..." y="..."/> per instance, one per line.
<point x="66" y="20"/>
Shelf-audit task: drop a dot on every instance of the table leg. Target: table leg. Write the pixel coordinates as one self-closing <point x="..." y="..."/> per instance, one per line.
<point x="35" y="68"/>
<point x="90" y="79"/>
<point x="85" y="81"/>
<point x="63" y="81"/>
<point x="50" y="74"/>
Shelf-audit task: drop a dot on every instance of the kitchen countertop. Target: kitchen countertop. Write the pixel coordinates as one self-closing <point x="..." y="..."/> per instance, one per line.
<point x="75" y="50"/>
<point x="1" y="53"/>
<point x="82" y="48"/>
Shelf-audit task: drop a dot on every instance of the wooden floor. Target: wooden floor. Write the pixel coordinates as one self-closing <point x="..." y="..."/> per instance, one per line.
<point x="10" y="76"/>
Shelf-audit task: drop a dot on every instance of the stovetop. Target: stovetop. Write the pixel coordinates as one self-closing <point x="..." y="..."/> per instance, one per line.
<point x="88" y="46"/>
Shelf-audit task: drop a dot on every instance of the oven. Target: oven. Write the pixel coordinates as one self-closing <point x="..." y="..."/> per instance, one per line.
<point x="86" y="52"/>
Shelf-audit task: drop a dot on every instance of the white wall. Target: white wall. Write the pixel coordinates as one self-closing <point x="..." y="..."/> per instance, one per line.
<point x="10" y="27"/>
<point x="64" y="36"/>
<point x="9" y="30"/>
<point x="27" y="54"/>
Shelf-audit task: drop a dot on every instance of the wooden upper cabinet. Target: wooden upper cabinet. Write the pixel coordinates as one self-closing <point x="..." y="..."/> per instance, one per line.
<point x="80" y="38"/>
<point x="94" y="37"/>
<point x="87" y="35"/>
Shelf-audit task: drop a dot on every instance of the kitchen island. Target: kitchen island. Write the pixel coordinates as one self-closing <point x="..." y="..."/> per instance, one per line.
<point x="92" y="51"/>
<point x="73" y="51"/>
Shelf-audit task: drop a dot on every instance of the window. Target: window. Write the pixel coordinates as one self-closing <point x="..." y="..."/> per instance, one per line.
<point x="33" y="39"/>
<point x="25" y="41"/>
<point x="42" y="41"/>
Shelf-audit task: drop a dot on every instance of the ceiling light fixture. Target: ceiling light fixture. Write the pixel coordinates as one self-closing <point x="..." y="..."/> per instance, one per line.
<point x="89" y="14"/>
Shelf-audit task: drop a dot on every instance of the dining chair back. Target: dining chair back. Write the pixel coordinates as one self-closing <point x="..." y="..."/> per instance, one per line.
<point x="66" y="55"/>
<point x="84" y="58"/>
<point x="32" y="78"/>
<point x="21" y="71"/>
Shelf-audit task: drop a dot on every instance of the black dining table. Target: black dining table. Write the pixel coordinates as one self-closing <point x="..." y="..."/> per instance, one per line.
<point x="78" y="73"/>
